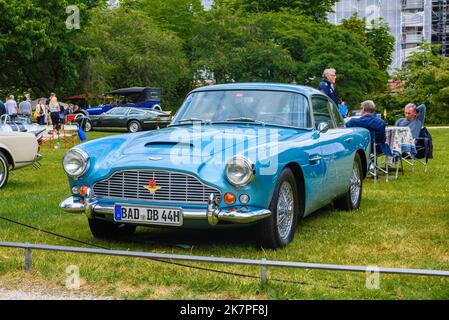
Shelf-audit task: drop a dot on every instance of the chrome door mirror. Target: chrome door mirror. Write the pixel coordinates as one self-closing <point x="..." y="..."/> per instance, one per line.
<point x="323" y="127"/>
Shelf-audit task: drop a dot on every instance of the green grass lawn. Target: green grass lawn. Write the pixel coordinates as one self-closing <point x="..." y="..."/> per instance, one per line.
<point x="403" y="224"/>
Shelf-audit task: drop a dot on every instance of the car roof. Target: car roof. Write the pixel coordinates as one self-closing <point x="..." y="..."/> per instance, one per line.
<point x="261" y="86"/>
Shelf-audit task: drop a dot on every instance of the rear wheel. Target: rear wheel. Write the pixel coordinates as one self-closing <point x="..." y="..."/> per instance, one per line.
<point x="353" y="197"/>
<point x="279" y="229"/>
<point x="4" y="170"/>
<point x="134" y="126"/>
<point x="109" y="230"/>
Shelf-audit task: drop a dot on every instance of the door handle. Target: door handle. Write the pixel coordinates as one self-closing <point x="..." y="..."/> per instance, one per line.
<point x="314" y="159"/>
<point x="349" y="140"/>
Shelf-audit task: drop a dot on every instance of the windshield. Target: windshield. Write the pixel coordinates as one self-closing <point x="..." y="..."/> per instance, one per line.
<point x="256" y="106"/>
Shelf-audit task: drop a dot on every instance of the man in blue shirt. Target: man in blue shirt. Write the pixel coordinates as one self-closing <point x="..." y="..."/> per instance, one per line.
<point x="327" y="84"/>
<point x="414" y="118"/>
<point x="368" y="120"/>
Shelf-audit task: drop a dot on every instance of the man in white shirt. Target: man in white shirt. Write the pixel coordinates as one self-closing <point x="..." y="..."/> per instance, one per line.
<point x="11" y="107"/>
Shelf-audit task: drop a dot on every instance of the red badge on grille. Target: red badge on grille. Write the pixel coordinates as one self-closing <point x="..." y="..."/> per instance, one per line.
<point x="152" y="187"/>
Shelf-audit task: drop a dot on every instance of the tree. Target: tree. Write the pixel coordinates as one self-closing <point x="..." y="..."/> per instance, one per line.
<point x="426" y="80"/>
<point x="315" y="9"/>
<point x="37" y="51"/>
<point x="376" y="36"/>
<point x="357" y="71"/>
<point x="131" y="50"/>
<point x="233" y="46"/>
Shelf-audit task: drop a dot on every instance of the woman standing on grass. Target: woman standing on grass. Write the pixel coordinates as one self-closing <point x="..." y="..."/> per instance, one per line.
<point x="54" y="111"/>
<point x="40" y="112"/>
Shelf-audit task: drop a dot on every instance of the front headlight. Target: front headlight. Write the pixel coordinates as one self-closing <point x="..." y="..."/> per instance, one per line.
<point x="75" y="162"/>
<point x="240" y="171"/>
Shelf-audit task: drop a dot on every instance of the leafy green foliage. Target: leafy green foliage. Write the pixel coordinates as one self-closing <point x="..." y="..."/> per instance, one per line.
<point x="235" y="47"/>
<point x="176" y="43"/>
<point x="316" y="9"/>
<point x="131" y="50"/>
<point x="426" y="80"/>
<point x="37" y="51"/>
<point x="376" y="36"/>
<point x="357" y="72"/>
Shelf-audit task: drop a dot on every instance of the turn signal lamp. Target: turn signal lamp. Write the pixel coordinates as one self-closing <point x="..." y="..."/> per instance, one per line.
<point x="83" y="190"/>
<point x="229" y="198"/>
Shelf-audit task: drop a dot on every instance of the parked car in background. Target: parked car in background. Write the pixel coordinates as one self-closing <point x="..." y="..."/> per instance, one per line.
<point x="21" y="124"/>
<point x="237" y="155"/>
<point x="138" y="97"/>
<point x="17" y="150"/>
<point x="131" y="119"/>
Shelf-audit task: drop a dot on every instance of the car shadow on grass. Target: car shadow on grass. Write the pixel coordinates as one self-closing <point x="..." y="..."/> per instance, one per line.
<point x="242" y="238"/>
<point x="186" y="239"/>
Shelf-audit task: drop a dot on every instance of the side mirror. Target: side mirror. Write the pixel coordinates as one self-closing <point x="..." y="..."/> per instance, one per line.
<point x="323" y="127"/>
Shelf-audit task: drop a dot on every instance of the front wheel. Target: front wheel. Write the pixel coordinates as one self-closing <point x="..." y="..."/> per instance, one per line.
<point x="4" y="170"/>
<point x="109" y="230"/>
<point x="88" y="126"/>
<point x="278" y="230"/>
<point x="353" y="197"/>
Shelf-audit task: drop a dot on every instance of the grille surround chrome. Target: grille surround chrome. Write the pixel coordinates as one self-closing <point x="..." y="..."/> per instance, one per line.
<point x="177" y="187"/>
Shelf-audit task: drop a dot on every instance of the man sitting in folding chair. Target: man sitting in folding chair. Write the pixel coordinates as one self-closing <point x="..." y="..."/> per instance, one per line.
<point x="376" y="127"/>
<point x="414" y="119"/>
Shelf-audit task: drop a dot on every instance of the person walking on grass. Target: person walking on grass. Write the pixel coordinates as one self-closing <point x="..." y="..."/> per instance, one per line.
<point x="40" y="111"/>
<point x="54" y="111"/>
<point x="11" y="108"/>
<point x="25" y="108"/>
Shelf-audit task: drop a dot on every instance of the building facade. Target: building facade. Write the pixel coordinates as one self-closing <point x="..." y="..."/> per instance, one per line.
<point x="410" y="21"/>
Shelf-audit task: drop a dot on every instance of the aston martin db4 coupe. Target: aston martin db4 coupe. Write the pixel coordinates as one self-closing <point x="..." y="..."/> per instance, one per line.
<point x="17" y="150"/>
<point x="235" y="155"/>
<point x="131" y="119"/>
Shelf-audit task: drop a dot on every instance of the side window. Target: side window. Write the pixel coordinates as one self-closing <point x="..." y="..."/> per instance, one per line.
<point x="337" y="116"/>
<point x="321" y="111"/>
<point x="135" y="112"/>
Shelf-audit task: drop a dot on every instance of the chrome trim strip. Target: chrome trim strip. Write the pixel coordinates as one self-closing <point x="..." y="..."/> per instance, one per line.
<point x="76" y="205"/>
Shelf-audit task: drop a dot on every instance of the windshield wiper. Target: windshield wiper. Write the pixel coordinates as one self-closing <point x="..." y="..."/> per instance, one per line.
<point x="192" y="120"/>
<point x="243" y="119"/>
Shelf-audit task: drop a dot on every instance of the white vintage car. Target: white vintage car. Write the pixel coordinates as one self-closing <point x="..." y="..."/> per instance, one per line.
<point x="17" y="150"/>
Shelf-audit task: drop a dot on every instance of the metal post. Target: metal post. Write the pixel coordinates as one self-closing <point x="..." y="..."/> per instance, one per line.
<point x="28" y="258"/>
<point x="264" y="271"/>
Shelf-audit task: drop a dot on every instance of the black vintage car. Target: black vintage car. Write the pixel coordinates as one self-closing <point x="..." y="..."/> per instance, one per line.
<point x="138" y="97"/>
<point x="132" y="119"/>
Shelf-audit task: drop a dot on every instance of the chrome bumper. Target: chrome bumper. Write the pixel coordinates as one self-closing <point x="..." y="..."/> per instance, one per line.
<point x="213" y="214"/>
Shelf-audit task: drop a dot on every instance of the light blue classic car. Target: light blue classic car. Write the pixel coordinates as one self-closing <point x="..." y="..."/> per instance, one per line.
<point x="253" y="155"/>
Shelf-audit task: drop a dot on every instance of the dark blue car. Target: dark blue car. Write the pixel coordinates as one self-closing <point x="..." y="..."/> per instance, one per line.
<point x="137" y="97"/>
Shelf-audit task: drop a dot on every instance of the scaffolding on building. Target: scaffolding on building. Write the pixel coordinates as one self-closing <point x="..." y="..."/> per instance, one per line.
<point x="440" y="25"/>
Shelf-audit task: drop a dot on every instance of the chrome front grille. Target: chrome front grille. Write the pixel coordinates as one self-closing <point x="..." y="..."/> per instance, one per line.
<point x="175" y="187"/>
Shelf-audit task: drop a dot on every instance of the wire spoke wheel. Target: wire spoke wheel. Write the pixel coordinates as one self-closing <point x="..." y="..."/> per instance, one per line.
<point x="285" y="210"/>
<point x="356" y="185"/>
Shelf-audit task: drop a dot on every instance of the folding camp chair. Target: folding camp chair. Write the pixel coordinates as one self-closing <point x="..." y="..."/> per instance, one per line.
<point x="424" y="151"/>
<point x="391" y="160"/>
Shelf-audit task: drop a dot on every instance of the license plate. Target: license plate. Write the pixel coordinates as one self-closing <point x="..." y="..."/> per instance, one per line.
<point x="148" y="215"/>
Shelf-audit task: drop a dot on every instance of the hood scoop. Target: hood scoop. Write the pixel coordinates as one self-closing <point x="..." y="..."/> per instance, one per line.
<point x="168" y="144"/>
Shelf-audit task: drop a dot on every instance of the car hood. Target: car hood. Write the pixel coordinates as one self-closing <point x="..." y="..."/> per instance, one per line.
<point x="205" y="141"/>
